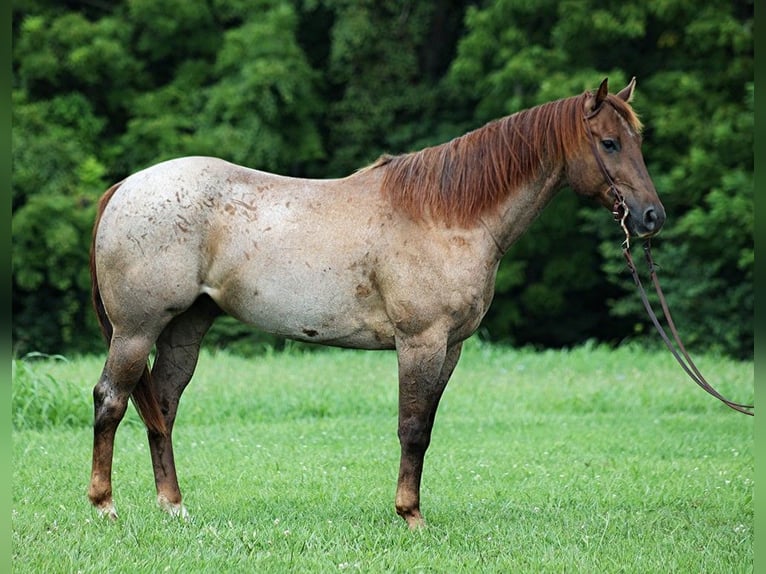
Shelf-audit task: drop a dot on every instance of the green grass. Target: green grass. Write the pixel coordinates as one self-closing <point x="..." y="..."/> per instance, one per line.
<point x="589" y="460"/>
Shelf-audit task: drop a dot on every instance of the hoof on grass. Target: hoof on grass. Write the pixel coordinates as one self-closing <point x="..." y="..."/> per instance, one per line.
<point x="174" y="509"/>
<point x="107" y="511"/>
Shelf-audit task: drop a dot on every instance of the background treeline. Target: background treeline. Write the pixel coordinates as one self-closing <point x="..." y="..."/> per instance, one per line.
<point x="319" y="88"/>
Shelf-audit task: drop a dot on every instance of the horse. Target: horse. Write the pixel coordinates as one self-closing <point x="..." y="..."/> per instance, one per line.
<point x="401" y="255"/>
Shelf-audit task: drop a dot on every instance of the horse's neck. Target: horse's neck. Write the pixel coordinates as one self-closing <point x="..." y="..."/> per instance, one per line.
<point x="521" y="207"/>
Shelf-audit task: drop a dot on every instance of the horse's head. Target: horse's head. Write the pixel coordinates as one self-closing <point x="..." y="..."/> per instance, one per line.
<point x="610" y="167"/>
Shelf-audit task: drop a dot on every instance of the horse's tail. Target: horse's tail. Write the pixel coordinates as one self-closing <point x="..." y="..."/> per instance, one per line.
<point x="143" y="395"/>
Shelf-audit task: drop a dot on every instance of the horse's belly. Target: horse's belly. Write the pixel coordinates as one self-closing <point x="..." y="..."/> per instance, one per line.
<point x="309" y="310"/>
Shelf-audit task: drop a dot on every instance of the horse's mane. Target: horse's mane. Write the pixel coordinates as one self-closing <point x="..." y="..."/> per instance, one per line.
<point x="458" y="181"/>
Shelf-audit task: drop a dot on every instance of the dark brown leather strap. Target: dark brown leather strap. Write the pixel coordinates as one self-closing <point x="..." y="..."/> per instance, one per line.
<point x="687" y="364"/>
<point x="621" y="212"/>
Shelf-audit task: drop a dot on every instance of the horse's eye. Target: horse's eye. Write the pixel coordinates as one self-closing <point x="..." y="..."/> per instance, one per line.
<point x="610" y="146"/>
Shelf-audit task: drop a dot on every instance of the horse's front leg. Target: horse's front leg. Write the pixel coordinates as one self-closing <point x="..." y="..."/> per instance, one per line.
<point x="424" y="369"/>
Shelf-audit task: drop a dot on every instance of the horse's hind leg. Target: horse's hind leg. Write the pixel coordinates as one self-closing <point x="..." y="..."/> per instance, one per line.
<point x="124" y="366"/>
<point x="177" y="353"/>
<point x="424" y="369"/>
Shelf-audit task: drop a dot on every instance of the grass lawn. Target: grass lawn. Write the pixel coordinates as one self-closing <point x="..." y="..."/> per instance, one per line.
<point x="588" y="460"/>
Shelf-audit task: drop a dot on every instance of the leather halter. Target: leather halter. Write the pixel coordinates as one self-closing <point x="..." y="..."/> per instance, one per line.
<point x="621" y="212"/>
<point x="620" y="209"/>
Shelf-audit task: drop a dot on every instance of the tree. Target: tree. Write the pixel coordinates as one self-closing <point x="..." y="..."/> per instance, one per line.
<point x="380" y="94"/>
<point x="57" y="176"/>
<point x="322" y="87"/>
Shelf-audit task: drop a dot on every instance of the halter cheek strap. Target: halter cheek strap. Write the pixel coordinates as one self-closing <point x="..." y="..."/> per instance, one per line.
<point x="620" y="209"/>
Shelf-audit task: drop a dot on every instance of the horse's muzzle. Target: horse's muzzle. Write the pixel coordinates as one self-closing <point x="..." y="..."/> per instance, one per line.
<point x="647" y="224"/>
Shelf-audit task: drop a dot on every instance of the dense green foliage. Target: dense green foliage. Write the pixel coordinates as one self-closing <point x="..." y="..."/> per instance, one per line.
<point x="321" y="87"/>
<point x="585" y="460"/>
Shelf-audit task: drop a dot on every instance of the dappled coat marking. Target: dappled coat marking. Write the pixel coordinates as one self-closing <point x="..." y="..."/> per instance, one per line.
<point x="399" y="255"/>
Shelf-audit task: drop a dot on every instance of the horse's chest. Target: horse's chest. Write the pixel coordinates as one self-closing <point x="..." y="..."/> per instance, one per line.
<point x="456" y="298"/>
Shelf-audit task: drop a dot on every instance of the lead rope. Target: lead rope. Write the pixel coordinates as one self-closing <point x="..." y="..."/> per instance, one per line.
<point x="620" y="212"/>
<point x="687" y="364"/>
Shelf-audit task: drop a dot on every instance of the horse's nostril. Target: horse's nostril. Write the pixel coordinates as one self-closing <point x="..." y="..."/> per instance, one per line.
<point x="650" y="218"/>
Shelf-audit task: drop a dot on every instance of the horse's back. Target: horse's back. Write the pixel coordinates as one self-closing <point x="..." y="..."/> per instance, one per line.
<point x="194" y="182"/>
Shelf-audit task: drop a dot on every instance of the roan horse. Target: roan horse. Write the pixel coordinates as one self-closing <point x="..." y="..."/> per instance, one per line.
<point x="400" y="255"/>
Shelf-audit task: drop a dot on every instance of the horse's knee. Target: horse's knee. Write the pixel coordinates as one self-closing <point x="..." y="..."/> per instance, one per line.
<point x="414" y="434"/>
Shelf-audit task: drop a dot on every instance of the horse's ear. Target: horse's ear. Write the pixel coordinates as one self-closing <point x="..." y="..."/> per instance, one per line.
<point x="626" y="94"/>
<point x="601" y="94"/>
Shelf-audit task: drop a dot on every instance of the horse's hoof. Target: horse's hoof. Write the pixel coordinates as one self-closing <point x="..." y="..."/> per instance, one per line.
<point x="107" y="511"/>
<point x="174" y="509"/>
<point x="415" y="521"/>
